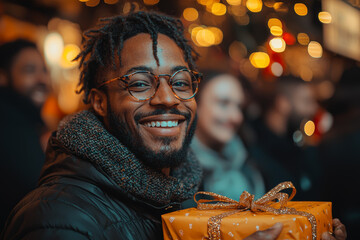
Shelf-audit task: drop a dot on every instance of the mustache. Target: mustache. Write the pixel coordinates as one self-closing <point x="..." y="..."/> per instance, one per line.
<point x="160" y="111"/>
<point x="39" y="86"/>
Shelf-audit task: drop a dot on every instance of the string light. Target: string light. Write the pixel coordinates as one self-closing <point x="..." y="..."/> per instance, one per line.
<point x="325" y="17"/>
<point x="303" y="39"/>
<point x="277" y="44"/>
<point x="234" y="2"/>
<point x="254" y="5"/>
<point x="274" y="22"/>
<point x="300" y="9"/>
<point x="92" y="3"/>
<point x="315" y="49"/>
<point x="190" y="14"/>
<point x="151" y="2"/>
<point x="218" y="9"/>
<point x="277" y="69"/>
<point x="276" y="31"/>
<point x="309" y="128"/>
<point x="259" y="59"/>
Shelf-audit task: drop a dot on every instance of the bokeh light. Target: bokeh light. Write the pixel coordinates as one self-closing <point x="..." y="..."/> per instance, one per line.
<point x="151" y="2"/>
<point x="277" y="69"/>
<point x="254" y="5"/>
<point x="234" y="2"/>
<point x="324" y="17"/>
<point x="218" y="9"/>
<point x="259" y="59"/>
<point x="303" y="39"/>
<point x="274" y="22"/>
<point x="277" y="44"/>
<point x="92" y="3"/>
<point x="300" y="9"/>
<point x="111" y="1"/>
<point x="69" y="53"/>
<point x="315" y="49"/>
<point x="218" y="34"/>
<point x="53" y="48"/>
<point x="190" y="14"/>
<point x="309" y="128"/>
<point x="237" y="51"/>
<point x="276" y="31"/>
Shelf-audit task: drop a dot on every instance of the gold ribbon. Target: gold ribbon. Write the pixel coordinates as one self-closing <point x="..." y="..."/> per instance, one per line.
<point x="247" y="202"/>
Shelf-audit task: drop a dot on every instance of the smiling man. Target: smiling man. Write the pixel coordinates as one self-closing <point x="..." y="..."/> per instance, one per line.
<point x="111" y="171"/>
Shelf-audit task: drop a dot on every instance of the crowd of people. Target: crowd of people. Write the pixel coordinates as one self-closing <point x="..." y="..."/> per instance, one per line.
<point x="156" y="131"/>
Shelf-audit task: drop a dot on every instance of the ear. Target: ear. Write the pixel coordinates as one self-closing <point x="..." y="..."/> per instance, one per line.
<point x="99" y="101"/>
<point x="4" y="82"/>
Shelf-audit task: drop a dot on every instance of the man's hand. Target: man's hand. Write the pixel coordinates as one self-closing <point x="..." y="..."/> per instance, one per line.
<point x="268" y="234"/>
<point x="338" y="229"/>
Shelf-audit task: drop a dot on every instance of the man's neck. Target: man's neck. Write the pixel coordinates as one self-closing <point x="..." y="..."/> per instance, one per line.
<point x="276" y="122"/>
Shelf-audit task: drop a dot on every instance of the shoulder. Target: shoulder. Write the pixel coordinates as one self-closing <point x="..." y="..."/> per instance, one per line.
<point x="78" y="210"/>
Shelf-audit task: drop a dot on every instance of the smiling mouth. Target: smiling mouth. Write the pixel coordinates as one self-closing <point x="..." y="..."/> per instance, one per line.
<point x="162" y="124"/>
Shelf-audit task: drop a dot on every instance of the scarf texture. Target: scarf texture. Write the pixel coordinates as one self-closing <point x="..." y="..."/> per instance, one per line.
<point x="84" y="135"/>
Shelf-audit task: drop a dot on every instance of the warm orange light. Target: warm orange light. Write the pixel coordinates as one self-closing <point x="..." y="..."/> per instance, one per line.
<point x="111" y="1"/>
<point x="69" y="53"/>
<point x="254" y="5"/>
<point x="218" y="9"/>
<point x="303" y="38"/>
<point x="276" y="31"/>
<point x="218" y="34"/>
<point x="259" y="59"/>
<point x="151" y="2"/>
<point x="205" y="37"/>
<point x="92" y="3"/>
<point x="277" y="44"/>
<point x="190" y="14"/>
<point x="309" y="128"/>
<point x="234" y="2"/>
<point x="300" y="9"/>
<point x="315" y="49"/>
<point x="325" y="17"/>
<point x="274" y="22"/>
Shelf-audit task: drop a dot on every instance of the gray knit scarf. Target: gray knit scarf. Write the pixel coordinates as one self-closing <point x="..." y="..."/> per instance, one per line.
<point x="84" y="135"/>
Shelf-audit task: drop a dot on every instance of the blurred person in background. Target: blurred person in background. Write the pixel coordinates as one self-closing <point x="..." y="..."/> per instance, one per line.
<point x="228" y="170"/>
<point x="24" y="87"/>
<point x="286" y="104"/>
<point x="340" y="152"/>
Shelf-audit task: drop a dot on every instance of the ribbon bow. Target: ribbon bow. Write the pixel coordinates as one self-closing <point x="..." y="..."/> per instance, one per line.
<point x="247" y="202"/>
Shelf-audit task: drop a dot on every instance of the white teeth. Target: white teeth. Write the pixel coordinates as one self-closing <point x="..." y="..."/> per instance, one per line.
<point x="162" y="124"/>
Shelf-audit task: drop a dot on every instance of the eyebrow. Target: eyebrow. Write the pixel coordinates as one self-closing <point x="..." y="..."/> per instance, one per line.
<point x="144" y="68"/>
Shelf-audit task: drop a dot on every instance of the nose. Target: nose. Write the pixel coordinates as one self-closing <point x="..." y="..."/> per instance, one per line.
<point x="236" y="116"/>
<point x="164" y="96"/>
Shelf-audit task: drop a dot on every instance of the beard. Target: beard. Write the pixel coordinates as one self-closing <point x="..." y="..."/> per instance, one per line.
<point x="166" y="157"/>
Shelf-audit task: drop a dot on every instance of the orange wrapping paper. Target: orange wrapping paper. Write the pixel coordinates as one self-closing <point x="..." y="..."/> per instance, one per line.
<point x="191" y="224"/>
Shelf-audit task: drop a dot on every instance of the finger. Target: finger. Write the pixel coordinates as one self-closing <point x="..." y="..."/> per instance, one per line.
<point x="327" y="236"/>
<point x="269" y="234"/>
<point x="339" y="229"/>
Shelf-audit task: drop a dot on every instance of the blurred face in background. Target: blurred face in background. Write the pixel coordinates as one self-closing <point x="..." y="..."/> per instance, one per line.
<point x="304" y="104"/>
<point x="219" y="110"/>
<point x="29" y="76"/>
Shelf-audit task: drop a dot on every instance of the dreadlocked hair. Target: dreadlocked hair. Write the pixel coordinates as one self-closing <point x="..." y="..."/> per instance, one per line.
<point x="104" y="42"/>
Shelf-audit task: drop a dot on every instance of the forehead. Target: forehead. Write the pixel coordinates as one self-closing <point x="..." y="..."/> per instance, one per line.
<point x="27" y="55"/>
<point x="138" y="52"/>
<point x="224" y="86"/>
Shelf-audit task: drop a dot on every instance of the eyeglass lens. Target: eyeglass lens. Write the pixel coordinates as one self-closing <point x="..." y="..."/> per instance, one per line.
<point x="143" y="85"/>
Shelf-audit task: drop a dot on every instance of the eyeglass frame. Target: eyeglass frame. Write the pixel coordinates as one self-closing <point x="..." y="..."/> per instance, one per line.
<point x="125" y="79"/>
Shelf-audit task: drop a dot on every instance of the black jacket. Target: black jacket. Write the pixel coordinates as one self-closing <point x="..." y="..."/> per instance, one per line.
<point x="76" y="200"/>
<point x="21" y="155"/>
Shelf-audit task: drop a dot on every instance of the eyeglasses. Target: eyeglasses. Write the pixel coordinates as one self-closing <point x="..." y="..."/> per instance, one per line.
<point x="143" y="85"/>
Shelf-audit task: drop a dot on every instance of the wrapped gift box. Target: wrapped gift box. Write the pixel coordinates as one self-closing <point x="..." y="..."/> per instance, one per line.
<point x="192" y="224"/>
